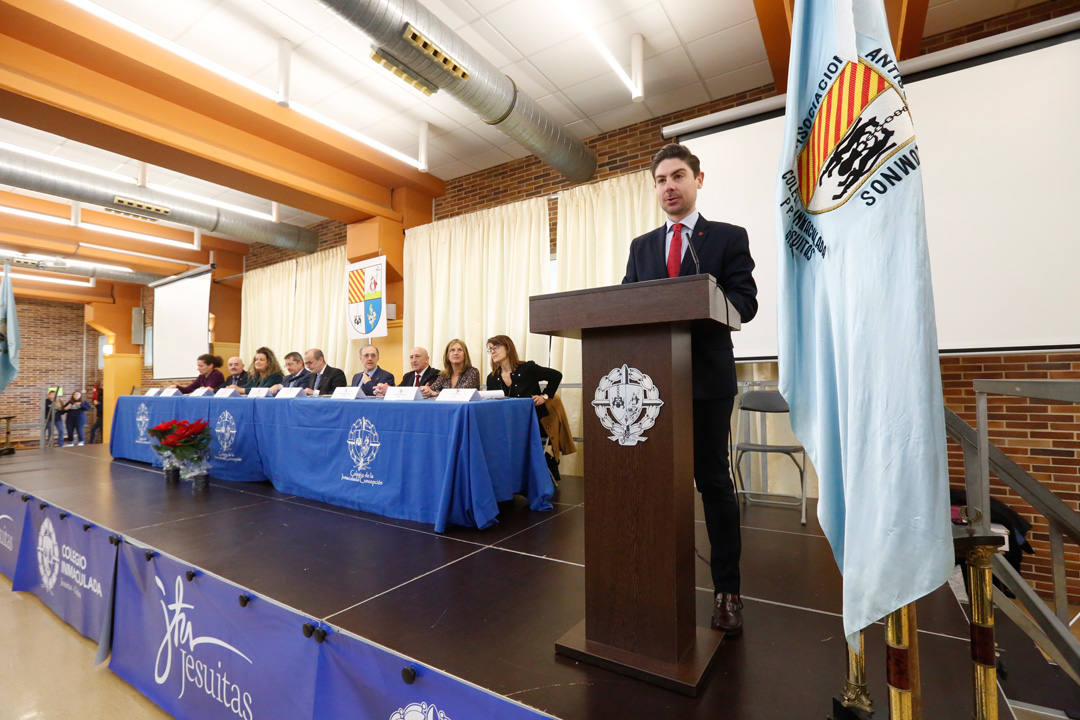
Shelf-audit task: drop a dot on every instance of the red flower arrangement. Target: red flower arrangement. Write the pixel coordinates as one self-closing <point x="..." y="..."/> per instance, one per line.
<point x="182" y="441"/>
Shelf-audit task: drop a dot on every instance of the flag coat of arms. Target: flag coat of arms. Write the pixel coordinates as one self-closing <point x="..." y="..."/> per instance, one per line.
<point x="365" y="311"/>
<point x="9" y="333"/>
<point x="857" y="338"/>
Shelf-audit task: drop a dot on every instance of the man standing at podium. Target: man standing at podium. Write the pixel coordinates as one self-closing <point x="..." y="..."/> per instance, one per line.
<point x="688" y="244"/>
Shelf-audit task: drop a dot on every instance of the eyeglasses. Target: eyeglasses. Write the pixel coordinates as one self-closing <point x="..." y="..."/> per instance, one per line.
<point x="493" y="348"/>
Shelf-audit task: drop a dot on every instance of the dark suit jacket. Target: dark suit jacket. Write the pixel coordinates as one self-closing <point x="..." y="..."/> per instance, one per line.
<point x="240" y="380"/>
<point x="332" y="378"/>
<point x="428" y="376"/>
<point x="301" y="379"/>
<point x="378" y="375"/>
<point x="525" y="382"/>
<point x="724" y="251"/>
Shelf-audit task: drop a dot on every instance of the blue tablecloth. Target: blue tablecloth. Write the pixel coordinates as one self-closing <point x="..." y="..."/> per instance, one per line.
<point x="443" y="463"/>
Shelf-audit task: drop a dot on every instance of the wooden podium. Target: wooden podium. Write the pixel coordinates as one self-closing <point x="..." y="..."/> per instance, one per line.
<point x="639" y="520"/>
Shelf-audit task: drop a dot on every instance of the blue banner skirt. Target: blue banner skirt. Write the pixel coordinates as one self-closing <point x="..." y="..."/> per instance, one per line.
<point x="360" y="680"/>
<point x="190" y="647"/>
<point x="68" y="563"/>
<point x="12" y="514"/>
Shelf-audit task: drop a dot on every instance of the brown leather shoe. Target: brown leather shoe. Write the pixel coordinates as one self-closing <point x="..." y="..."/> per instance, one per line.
<point x="727" y="613"/>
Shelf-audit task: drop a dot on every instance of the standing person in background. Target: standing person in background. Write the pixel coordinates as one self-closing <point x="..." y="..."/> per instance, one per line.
<point x="98" y="399"/>
<point x="75" y="413"/>
<point x="209" y="375"/>
<point x="723" y="251"/>
<point x="53" y="418"/>
<point x="458" y="370"/>
<point x="517" y="378"/>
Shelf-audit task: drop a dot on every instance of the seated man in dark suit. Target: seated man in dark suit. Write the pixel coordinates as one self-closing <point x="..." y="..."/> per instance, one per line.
<point x="422" y="373"/>
<point x="372" y="375"/>
<point x="237" y="375"/>
<point x="324" y="380"/>
<point x="298" y="375"/>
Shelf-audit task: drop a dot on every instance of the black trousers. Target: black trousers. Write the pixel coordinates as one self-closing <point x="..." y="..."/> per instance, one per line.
<point x="712" y="424"/>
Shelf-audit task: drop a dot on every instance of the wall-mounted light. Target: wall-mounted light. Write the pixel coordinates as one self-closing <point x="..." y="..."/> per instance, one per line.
<point x="107" y="349"/>
<point x="89" y="282"/>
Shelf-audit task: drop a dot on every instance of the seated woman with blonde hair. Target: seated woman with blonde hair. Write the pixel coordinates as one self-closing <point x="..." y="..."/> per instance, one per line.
<point x="265" y="371"/>
<point x="458" y="370"/>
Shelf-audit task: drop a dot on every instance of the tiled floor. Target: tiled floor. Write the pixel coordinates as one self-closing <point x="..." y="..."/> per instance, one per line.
<point x="484" y="605"/>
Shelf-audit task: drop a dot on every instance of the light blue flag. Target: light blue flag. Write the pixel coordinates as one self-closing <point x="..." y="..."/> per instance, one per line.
<point x="857" y="339"/>
<point x="9" y="333"/>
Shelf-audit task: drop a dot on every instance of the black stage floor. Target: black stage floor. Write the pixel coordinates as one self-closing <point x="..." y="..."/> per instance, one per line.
<point x="488" y="605"/>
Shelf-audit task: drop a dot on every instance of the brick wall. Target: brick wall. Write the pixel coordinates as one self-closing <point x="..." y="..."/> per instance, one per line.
<point x="1041" y="437"/>
<point x="1001" y="23"/>
<point x="51" y="354"/>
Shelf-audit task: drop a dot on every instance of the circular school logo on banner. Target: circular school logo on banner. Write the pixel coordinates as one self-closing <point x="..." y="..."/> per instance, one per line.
<point x="48" y="555"/>
<point x="225" y="430"/>
<point x="862" y="121"/>
<point x="419" y="711"/>
<point x="363" y="443"/>
<point x="627" y="403"/>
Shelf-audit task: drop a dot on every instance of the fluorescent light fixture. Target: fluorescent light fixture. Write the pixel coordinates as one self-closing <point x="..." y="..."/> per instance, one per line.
<point x="19" y="212"/>
<point x="208" y="201"/>
<point x="79" y="263"/>
<point x="134" y="253"/>
<point x="137" y="236"/>
<point x="66" y="163"/>
<point x="135" y="29"/>
<point x="59" y="281"/>
<point x="578" y="19"/>
<point x="358" y="136"/>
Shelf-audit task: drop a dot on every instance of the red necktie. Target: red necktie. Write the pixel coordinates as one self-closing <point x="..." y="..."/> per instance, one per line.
<point x="674" y="256"/>
<point x="416" y="382"/>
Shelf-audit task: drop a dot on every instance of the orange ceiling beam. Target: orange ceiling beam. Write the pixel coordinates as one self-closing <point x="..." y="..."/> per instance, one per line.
<point x="64" y="71"/>
<point x="906" y="21"/>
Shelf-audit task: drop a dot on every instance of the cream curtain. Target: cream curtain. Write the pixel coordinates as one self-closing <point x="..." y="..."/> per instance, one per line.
<point x="471" y="276"/>
<point x="296" y="305"/>
<point x="595" y="226"/>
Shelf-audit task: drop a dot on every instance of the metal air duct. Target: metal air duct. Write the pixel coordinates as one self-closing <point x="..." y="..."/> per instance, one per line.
<point x="58" y="266"/>
<point x="58" y="180"/>
<point x="407" y="31"/>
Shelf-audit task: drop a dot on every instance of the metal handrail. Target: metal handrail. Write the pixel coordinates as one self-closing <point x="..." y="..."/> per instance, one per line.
<point x="1047" y="627"/>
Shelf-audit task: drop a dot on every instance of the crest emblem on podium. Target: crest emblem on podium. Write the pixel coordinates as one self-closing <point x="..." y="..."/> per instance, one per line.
<point x="363" y="443"/>
<point x="627" y="403"/>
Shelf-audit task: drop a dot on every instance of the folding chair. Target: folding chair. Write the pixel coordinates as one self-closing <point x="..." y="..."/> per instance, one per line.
<point x="767" y="401"/>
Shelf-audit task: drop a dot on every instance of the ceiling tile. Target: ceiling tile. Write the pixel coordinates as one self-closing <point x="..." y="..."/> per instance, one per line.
<point x="355" y="107"/>
<point x="559" y="108"/>
<point x="451" y="107"/>
<point x="737" y="81"/>
<point x="490" y="158"/>
<point x="650" y="21"/>
<point x="528" y="79"/>
<point x="219" y="37"/>
<point x="679" y="99"/>
<point x="668" y="70"/>
<point x="488" y="43"/>
<point x="621" y="116"/>
<point x="452" y="13"/>
<point x="451" y="170"/>
<point x="488" y="133"/>
<point x="461" y="143"/>
<point x="599" y="94"/>
<point x="728" y="50"/>
<point x="483" y="7"/>
<point x="697" y="18"/>
<point x="581" y="129"/>
<point x="168" y="18"/>
<point x="569" y="62"/>
<point x="516" y="151"/>
<point x="531" y="26"/>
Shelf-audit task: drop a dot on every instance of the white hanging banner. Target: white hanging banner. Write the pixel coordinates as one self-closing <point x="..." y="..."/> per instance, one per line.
<point x="365" y="310"/>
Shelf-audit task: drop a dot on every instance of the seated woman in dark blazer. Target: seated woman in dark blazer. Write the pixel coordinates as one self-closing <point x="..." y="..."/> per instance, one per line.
<point x="265" y="371"/>
<point x="519" y="379"/>
<point x="458" y="370"/>
<point x="209" y="375"/>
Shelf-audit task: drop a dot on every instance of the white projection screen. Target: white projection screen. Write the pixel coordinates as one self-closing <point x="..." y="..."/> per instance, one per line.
<point x="181" y="320"/>
<point x="1001" y="170"/>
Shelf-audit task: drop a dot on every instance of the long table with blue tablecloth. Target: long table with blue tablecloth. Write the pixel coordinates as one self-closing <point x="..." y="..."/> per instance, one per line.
<point x="443" y="463"/>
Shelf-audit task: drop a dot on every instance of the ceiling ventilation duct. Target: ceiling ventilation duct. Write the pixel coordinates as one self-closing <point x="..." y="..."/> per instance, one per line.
<point x="58" y="180"/>
<point x="409" y="33"/>
<point x="59" y="266"/>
